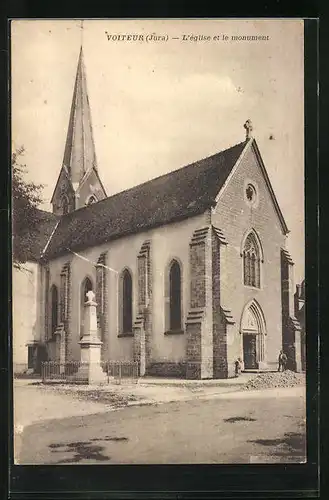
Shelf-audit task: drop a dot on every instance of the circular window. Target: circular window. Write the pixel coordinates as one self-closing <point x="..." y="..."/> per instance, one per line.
<point x="250" y="194"/>
<point x="91" y="199"/>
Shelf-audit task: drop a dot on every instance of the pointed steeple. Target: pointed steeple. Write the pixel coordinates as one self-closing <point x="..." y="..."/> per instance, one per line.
<point x="78" y="183"/>
<point x="79" y="153"/>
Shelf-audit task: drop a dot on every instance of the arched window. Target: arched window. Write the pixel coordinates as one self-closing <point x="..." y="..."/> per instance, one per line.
<point x="86" y="286"/>
<point x="126" y="302"/>
<point x="251" y="261"/>
<point x="65" y="204"/>
<point x="54" y="308"/>
<point x="175" y="300"/>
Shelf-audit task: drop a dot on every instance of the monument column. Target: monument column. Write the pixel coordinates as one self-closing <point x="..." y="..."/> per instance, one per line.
<point x="90" y="370"/>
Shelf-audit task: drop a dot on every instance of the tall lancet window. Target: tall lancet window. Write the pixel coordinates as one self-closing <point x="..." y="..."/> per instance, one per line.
<point x="251" y="262"/>
<point x="126" y="302"/>
<point x="175" y="300"/>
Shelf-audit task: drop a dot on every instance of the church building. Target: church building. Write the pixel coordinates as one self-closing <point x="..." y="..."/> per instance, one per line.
<point x="190" y="270"/>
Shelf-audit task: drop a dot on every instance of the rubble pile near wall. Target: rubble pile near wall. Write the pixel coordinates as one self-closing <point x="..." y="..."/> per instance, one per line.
<point x="275" y="379"/>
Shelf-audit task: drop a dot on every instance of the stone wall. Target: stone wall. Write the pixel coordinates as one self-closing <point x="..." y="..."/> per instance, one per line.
<point x="167" y="369"/>
<point x="25" y="315"/>
<point x="292" y="340"/>
<point x="148" y="266"/>
<point x="199" y="335"/>
<point x="208" y="249"/>
<point x="235" y="218"/>
<point x="219" y="323"/>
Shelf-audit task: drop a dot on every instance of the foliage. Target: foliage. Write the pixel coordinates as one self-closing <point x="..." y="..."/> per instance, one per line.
<point x="26" y="196"/>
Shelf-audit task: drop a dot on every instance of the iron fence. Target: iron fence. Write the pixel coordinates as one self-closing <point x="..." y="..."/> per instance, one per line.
<point x="55" y="371"/>
<point x="72" y="371"/>
<point x="121" y="371"/>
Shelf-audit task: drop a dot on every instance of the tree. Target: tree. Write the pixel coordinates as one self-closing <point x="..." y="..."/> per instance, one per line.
<point x="26" y="196"/>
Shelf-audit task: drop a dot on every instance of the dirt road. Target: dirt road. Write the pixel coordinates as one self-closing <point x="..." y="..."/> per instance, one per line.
<point x="253" y="428"/>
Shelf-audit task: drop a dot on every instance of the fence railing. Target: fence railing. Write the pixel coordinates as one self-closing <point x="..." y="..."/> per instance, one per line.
<point x="121" y="371"/>
<point x="72" y="371"/>
<point x="53" y="370"/>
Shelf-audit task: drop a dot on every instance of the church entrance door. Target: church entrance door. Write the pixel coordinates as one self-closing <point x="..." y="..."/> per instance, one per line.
<point x="249" y="350"/>
<point x="253" y="342"/>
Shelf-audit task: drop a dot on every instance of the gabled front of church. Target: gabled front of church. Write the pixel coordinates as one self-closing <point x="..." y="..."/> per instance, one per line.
<point x="190" y="269"/>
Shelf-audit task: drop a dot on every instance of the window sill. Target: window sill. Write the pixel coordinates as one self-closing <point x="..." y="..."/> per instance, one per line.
<point x="125" y="334"/>
<point x="253" y="287"/>
<point x="174" y="332"/>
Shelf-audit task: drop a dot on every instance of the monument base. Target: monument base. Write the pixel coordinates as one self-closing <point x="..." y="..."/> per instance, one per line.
<point x="90" y="370"/>
<point x="90" y="374"/>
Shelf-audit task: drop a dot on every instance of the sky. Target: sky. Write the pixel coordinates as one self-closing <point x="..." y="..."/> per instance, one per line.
<point x="163" y="102"/>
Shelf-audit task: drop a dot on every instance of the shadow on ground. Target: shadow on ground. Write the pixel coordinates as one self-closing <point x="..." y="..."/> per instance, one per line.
<point x="292" y="444"/>
<point x="84" y="450"/>
<point x="239" y="419"/>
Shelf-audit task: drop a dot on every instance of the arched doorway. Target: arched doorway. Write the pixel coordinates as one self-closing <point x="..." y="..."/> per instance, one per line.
<point x="253" y="330"/>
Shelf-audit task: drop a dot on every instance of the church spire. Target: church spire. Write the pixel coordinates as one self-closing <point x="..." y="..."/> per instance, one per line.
<point x="79" y="153"/>
<point x="78" y="183"/>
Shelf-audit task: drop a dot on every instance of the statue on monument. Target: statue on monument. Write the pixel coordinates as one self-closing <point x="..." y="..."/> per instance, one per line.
<point x="90" y="296"/>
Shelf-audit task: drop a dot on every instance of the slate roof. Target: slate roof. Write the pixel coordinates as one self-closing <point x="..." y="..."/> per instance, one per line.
<point x="36" y="240"/>
<point x="174" y="196"/>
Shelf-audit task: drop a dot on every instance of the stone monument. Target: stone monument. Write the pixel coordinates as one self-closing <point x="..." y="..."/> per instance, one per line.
<point x="90" y="370"/>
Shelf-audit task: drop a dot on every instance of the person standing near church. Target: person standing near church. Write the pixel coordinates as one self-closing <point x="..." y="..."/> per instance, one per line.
<point x="237" y="364"/>
<point x="282" y="361"/>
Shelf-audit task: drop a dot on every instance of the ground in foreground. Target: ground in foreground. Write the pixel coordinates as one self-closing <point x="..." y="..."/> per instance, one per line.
<point x="222" y="430"/>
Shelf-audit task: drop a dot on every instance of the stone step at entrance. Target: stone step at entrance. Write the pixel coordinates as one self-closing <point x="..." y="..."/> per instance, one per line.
<point x="259" y="370"/>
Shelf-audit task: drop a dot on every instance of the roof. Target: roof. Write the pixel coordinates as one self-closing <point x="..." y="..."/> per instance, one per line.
<point x="36" y="240"/>
<point x="270" y="188"/>
<point x="177" y="195"/>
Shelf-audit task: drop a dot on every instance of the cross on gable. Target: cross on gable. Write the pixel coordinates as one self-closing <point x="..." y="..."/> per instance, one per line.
<point x="248" y="126"/>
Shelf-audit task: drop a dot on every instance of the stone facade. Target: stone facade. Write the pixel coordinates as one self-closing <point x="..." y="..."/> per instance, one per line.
<point x="143" y="324"/>
<point x="199" y="350"/>
<point x="25" y="316"/>
<point x="299" y="308"/>
<point x="204" y="245"/>
<point x="291" y="329"/>
<point x="214" y="297"/>
<point x="66" y="307"/>
<point x="221" y="319"/>
<point x="236" y="219"/>
<point x="147" y="256"/>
